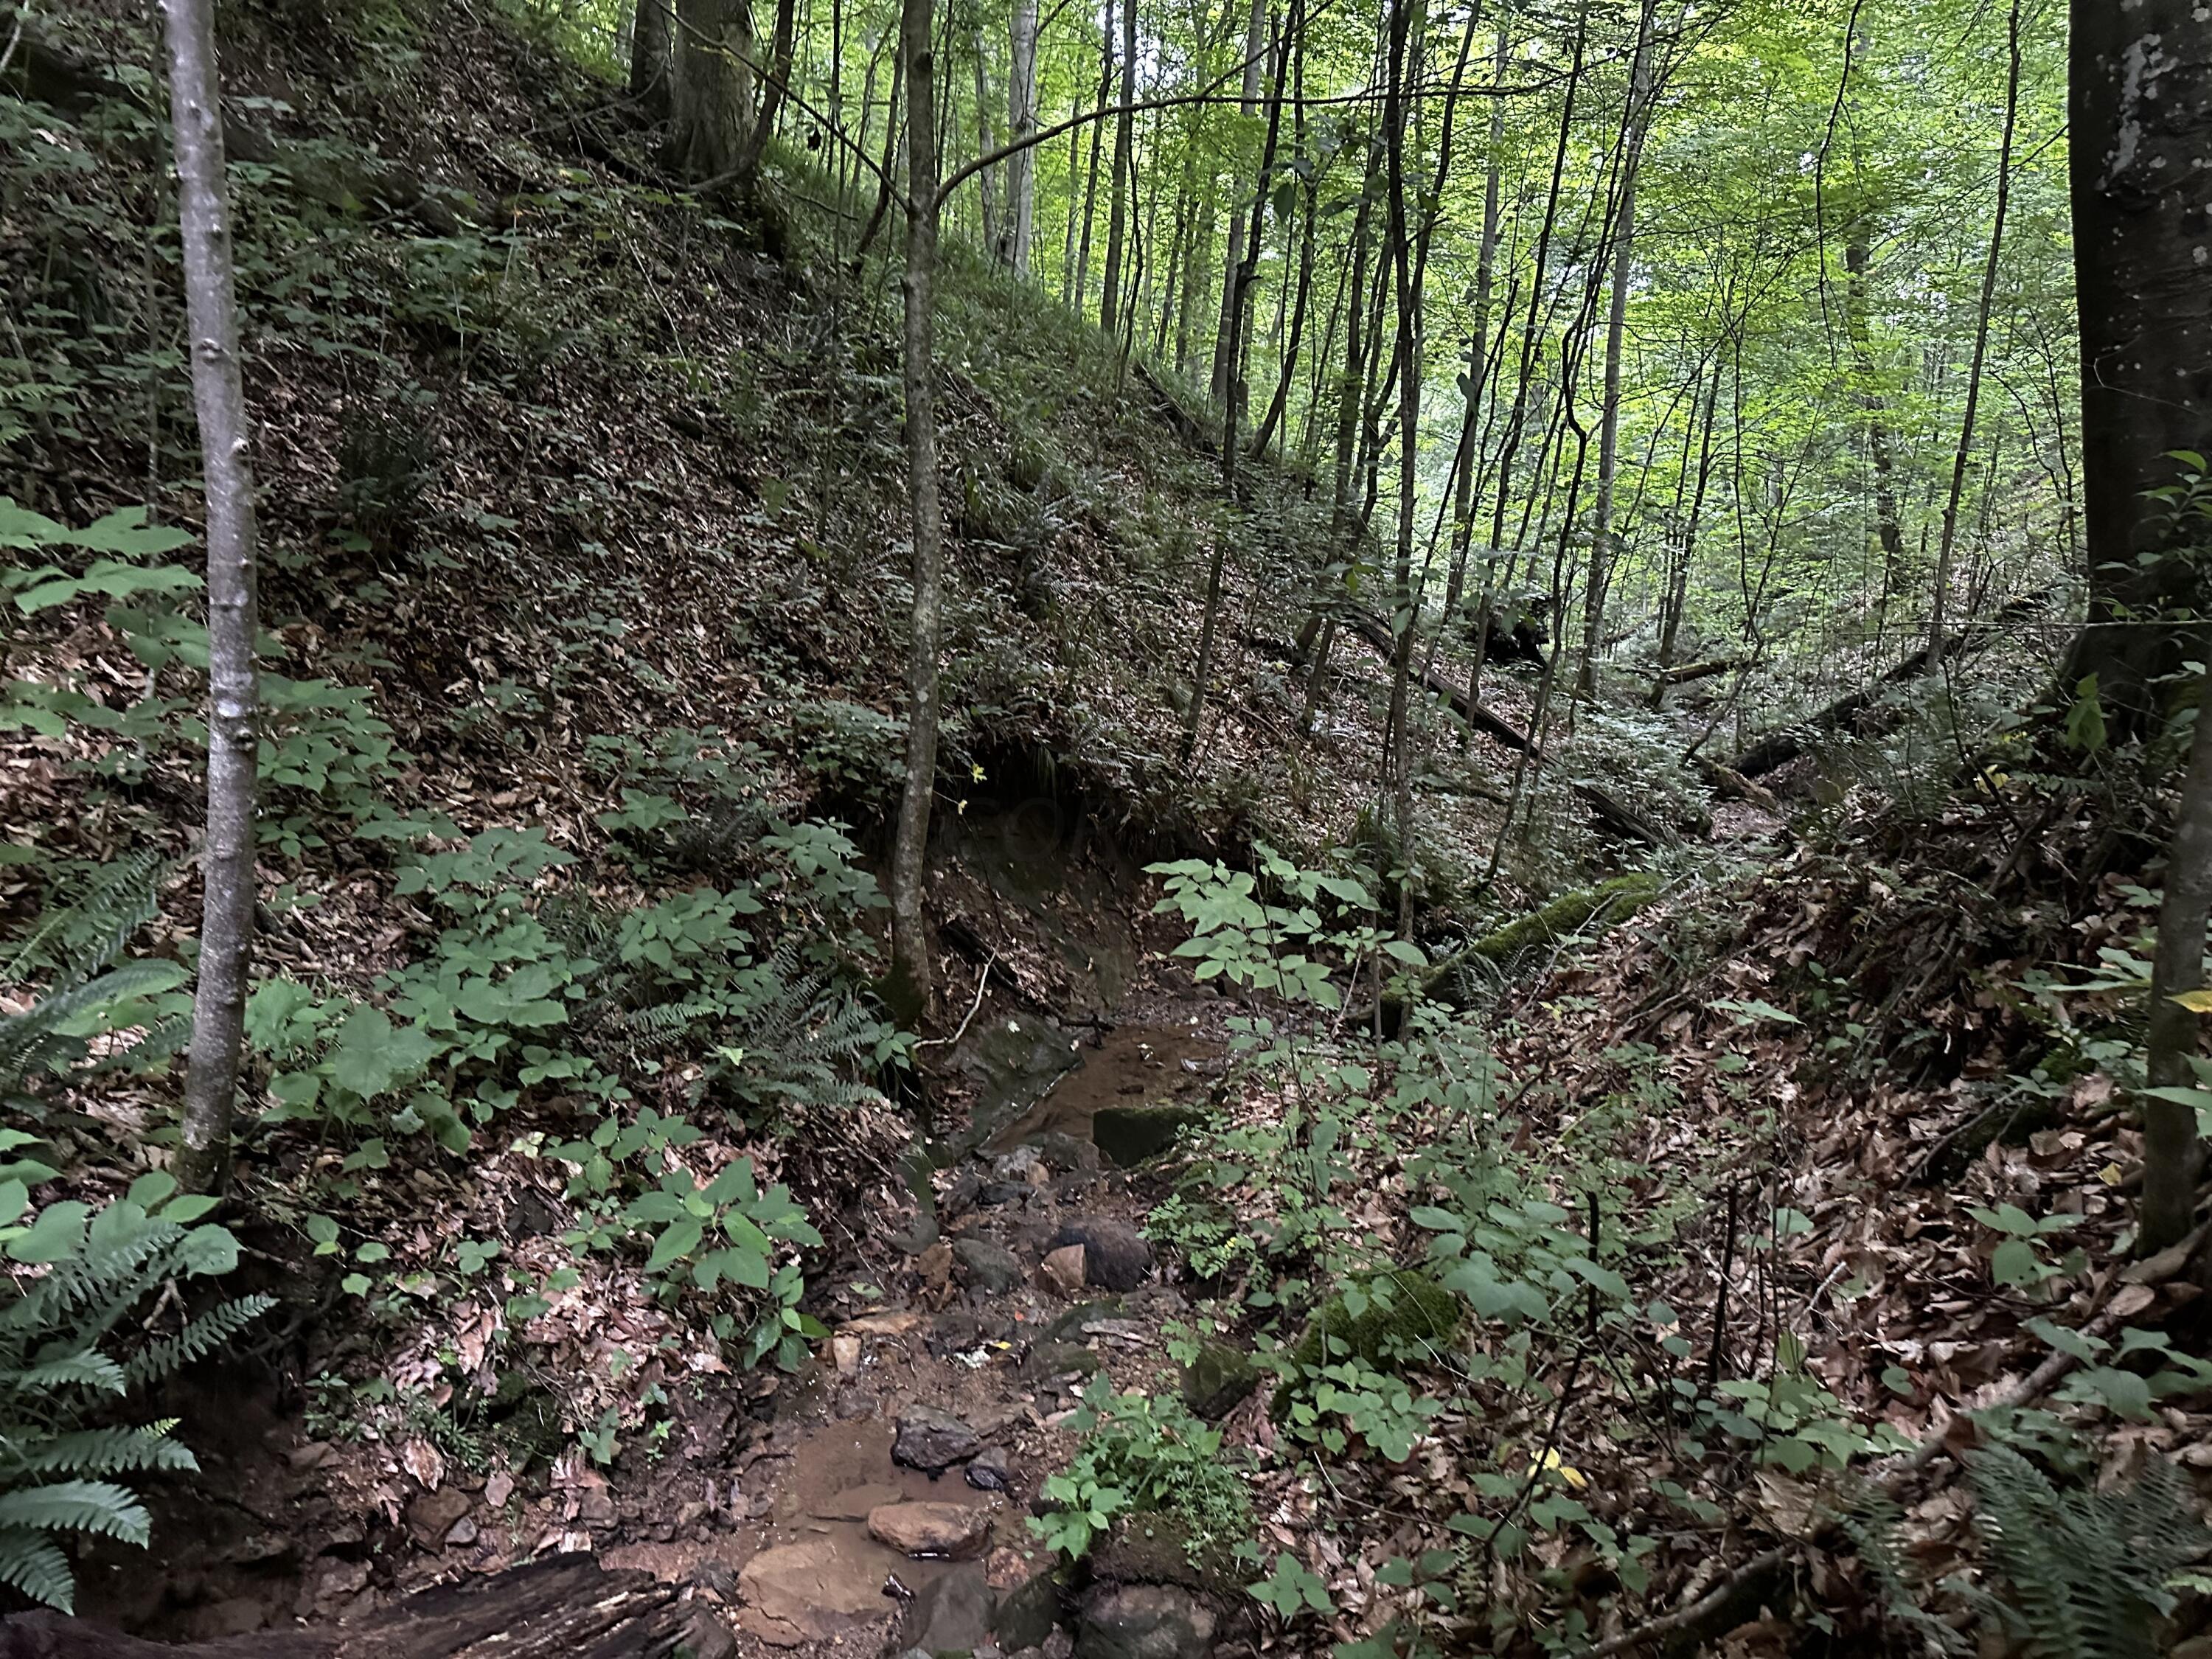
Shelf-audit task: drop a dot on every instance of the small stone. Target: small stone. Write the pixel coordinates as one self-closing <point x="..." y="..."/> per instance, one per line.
<point x="498" y="1488"/>
<point x="1028" y="1598"/>
<point x="950" y="1531"/>
<point x="431" y="1515"/>
<point x="845" y="1351"/>
<point x="312" y="1455"/>
<point x="1049" y="1359"/>
<point x="1145" y="1621"/>
<point x="990" y="1470"/>
<point x="1064" y="1154"/>
<point x="1000" y="1194"/>
<point x="463" y="1532"/>
<point x="987" y="1267"/>
<point x="1115" y="1255"/>
<point x="1064" y="1269"/>
<point x="1219" y="1380"/>
<point x="932" y="1441"/>
<point x="1016" y="1164"/>
<point x="949" y="1615"/>
<point x="596" y="1507"/>
<point x="1058" y="1645"/>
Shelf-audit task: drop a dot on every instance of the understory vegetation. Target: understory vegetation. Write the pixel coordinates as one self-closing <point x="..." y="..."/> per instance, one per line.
<point x="1553" y="598"/>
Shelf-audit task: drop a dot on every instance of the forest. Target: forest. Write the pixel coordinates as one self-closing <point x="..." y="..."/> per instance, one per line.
<point x="1126" y="831"/>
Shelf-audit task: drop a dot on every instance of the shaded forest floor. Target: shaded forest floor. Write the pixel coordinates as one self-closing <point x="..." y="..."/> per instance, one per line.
<point x="583" y="525"/>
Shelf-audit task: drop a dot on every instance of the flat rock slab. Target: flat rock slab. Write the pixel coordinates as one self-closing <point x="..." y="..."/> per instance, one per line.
<point x="807" y="1592"/>
<point x="951" y="1531"/>
<point x="1145" y="1621"/>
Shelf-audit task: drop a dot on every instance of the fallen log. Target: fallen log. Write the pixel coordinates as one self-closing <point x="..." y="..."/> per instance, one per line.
<point x="1686" y="674"/>
<point x="1373" y="628"/>
<point x="566" y="1608"/>
<point x="1777" y="748"/>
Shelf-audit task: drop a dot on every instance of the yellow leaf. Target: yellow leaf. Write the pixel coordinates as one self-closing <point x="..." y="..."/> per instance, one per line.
<point x="1566" y="1472"/>
<point x="2110" y="1175"/>
<point x="2198" y="1002"/>
<point x="975" y="773"/>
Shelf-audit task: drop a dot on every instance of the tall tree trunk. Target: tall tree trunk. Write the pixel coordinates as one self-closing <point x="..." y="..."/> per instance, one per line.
<point x="2140" y="108"/>
<point x="987" y="181"/>
<point x="1309" y="215"/>
<point x="2173" y="1156"/>
<point x="1232" y="419"/>
<point x="1960" y="460"/>
<point x="226" y="875"/>
<point x="1098" y="136"/>
<point x="913" y="974"/>
<point x="1397" y="743"/>
<point x="1021" y="122"/>
<point x="649" y="58"/>
<point x="1889" y="526"/>
<point x="1067" y="290"/>
<point x="774" y="85"/>
<point x="1125" y="131"/>
<point x="1678" y="585"/>
<point x="1604" y="549"/>
<point x="713" y="87"/>
<point x="1225" y="362"/>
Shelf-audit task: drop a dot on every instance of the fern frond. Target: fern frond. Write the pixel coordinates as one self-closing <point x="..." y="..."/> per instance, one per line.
<point x="34" y="1564"/>
<point x="199" y="1337"/>
<point x="99" y="1507"/>
<point x="86" y="1368"/>
<point x="32" y="1038"/>
<point x="80" y="937"/>
<point x="101" y="1452"/>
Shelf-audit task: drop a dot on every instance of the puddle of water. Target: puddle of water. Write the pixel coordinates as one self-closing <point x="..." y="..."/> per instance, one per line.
<point x="1136" y="1065"/>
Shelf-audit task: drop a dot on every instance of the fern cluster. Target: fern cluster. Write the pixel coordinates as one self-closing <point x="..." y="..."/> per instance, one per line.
<point x="74" y="949"/>
<point x="2069" y="1571"/>
<point x="69" y="1351"/>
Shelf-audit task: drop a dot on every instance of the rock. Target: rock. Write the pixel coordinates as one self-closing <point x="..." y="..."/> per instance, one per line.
<point x="462" y="1533"/>
<point x="845" y="1353"/>
<point x="1064" y="1268"/>
<point x="431" y="1515"/>
<point x="1027" y="1592"/>
<point x="498" y="1489"/>
<point x="1064" y="1154"/>
<point x="596" y="1507"/>
<point x="807" y="1592"/>
<point x="1219" y="1380"/>
<point x="1020" y="1166"/>
<point x="1127" y="1135"/>
<point x="1144" y="1621"/>
<point x="1049" y="1359"/>
<point x="1001" y="1192"/>
<point x="1115" y="1256"/>
<point x="990" y="1470"/>
<point x="962" y="1194"/>
<point x="950" y="1614"/>
<point x="932" y="1441"/>
<point x="958" y="1330"/>
<point x="952" y="1531"/>
<point x="1058" y="1645"/>
<point x="856" y="1503"/>
<point x="986" y="1266"/>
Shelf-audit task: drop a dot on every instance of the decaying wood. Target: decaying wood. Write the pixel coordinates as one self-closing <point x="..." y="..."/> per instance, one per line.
<point x="1373" y="628"/>
<point x="567" y="1608"/>
<point x="1779" y="749"/>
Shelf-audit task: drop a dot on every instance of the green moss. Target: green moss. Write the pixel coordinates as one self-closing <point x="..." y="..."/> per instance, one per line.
<point x="1405" y="1316"/>
<point x="1614" y="899"/>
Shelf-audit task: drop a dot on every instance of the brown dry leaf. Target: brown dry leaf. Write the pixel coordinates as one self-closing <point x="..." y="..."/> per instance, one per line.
<point x="422" y="1460"/>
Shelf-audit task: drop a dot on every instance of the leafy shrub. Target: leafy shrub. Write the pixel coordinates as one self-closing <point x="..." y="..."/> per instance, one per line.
<point x="1145" y="1453"/>
<point x="63" y="1360"/>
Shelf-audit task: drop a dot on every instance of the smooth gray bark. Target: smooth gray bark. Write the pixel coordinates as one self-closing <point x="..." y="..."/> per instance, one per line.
<point x="227" y="873"/>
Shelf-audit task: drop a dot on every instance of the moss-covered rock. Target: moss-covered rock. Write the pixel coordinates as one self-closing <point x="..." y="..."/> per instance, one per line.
<point x="1127" y="1135"/>
<point x="1404" y="1315"/>
<point x="1217" y="1380"/>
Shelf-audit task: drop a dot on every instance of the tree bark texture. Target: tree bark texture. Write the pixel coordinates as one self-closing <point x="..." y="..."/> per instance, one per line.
<point x="648" y="58"/>
<point x="1125" y="163"/>
<point x="2173" y="1156"/>
<point x="912" y="974"/>
<point x="234" y="693"/>
<point x="2141" y="110"/>
<point x="1021" y="122"/>
<point x="713" y="87"/>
